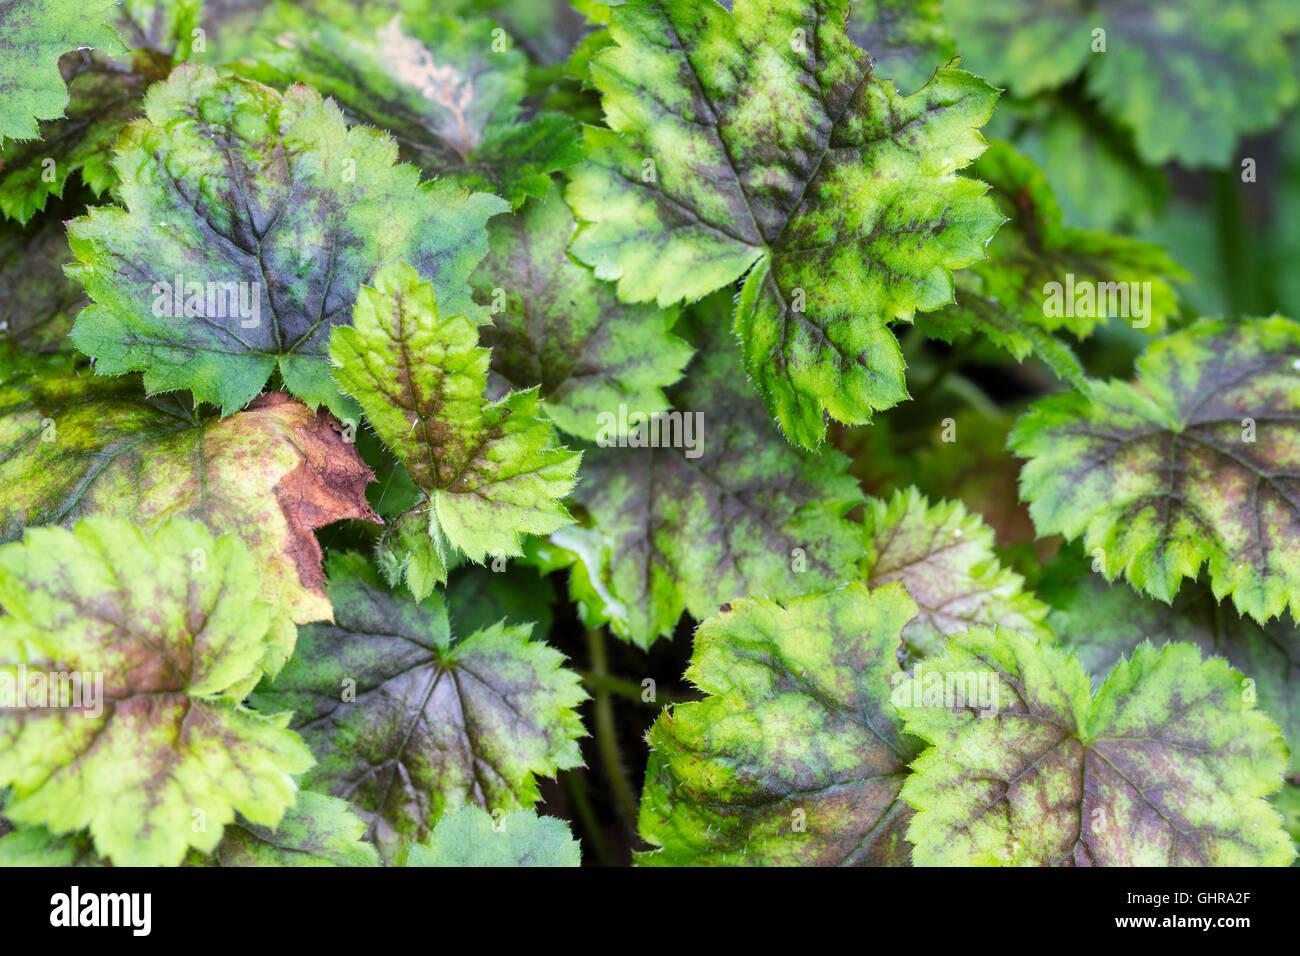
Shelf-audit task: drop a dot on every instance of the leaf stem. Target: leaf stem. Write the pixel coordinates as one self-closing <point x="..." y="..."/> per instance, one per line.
<point x="1237" y="259"/>
<point x="586" y="814"/>
<point x="627" y="689"/>
<point x="606" y="734"/>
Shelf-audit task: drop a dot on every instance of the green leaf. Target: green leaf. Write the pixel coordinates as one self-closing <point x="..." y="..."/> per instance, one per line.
<point x="38" y="303"/>
<point x="1034" y="249"/>
<point x="734" y="511"/>
<point x="36" y="846"/>
<point x="80" y="446"/>
<point x="560" y="328"/>
<point x="409" y="721"/>
<point x="1166" y="766"/>
<point x="943" y="557"/>
<point x="33" y="34"/>
<point x="472" y="837"/>
<point x="104" y="95"/>
<point x="317" y="831"/>
<point x="492" y="470"/>
<point x="211" y="197"/>
<point x="1005" y="327"/>
<point x="1187" y="76"/>
<point x="795" y="757"/>
<point x="547" y="29"/>
<point x="1193" y="465"/>
<point x="450" y="92"/>
<point x="162" y="27"/>
<point x="907" y="38"/>
<point x="761" y="145"/>
<point x="164" y="629"/>
<point x="1103" y="623"/>
<point x="1287" y="802"/>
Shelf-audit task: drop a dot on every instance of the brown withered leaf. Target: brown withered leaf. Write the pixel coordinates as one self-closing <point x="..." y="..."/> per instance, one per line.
<point x="272" y="474"/>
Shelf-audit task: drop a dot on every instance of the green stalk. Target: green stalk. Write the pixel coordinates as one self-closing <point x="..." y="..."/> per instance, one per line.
<point x="593" y="839"/>
<point x="1237" y="256"/>
<point x="627" y="689"/>
<point x="606" y="734"/>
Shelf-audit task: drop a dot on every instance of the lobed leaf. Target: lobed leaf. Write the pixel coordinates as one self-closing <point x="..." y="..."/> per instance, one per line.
<point x="698" y="517"/>
<point x="410" y="722"/>
<point x="104" y="95"/>
<point x="471" y="836"/>
<point x="164" y="629"/>
<point x="492" y="470"/>
<point x="33" y="34"/>
<point x="761" y="145"/>
<point x="72" y="447"/>
<point x="317" y="831"/>
<point x="1167" y="765"/>
<point x="1196" y="464"/>
<point x="1103" y="623"/>
<point x="943" y="557"/>
<point x="795" y="757"/>
<point x="271" y="214"/>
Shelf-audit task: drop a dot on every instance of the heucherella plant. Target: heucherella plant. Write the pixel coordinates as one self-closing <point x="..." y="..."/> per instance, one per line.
<point x="664" y="433"/>
<point x="490" y="470"/>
